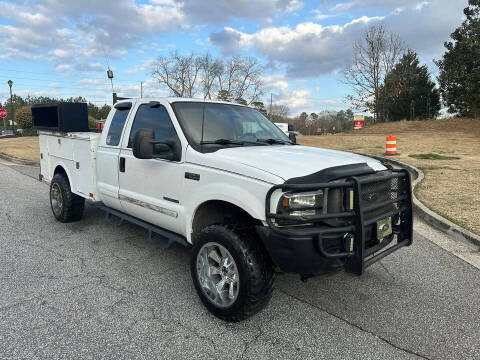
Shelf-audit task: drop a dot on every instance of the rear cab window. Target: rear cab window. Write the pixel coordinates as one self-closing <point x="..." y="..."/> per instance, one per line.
<point x="118" y="122"/>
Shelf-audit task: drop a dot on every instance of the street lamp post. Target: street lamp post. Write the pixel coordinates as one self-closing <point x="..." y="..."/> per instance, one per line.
<point x="10" y="83"/>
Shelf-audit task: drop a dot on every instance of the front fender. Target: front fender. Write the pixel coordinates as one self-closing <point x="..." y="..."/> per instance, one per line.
<point x="251" y="200"/>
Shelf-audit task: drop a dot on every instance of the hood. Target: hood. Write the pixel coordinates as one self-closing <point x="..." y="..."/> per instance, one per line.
<point x="286" y="161"/>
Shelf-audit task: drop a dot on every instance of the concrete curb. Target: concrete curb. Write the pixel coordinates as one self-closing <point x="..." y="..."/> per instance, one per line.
<point x="429" y="216"/>
<point x="19" y="161"/>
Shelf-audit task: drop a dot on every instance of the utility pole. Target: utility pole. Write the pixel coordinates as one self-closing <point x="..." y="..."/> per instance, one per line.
<point x="10" y="83"/>
<point x="141" y="89"/>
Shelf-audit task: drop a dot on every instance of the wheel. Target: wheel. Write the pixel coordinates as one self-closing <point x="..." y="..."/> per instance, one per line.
<point x="66" y="206"/>
<point x="231" y="272"/>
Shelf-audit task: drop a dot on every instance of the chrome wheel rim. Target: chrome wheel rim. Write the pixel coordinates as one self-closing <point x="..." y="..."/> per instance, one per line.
<point x="56" y="199"/>
<point x="217" y="274"/>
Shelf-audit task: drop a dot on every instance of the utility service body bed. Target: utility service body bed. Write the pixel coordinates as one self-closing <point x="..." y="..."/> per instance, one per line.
<point x="76" y="153"/>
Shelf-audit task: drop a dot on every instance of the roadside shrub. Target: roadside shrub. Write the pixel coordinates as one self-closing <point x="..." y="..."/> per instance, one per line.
<point x="23" y="117"/>
<point x="29" y="132"/>
<point x="92" y="122"/>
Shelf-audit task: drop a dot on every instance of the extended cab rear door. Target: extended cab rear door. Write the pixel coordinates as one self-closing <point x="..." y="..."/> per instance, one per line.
<point x="151" y="189"/>
<point x="108" y="154"/>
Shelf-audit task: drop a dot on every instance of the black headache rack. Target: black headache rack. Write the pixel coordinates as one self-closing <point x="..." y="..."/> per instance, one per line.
<point x="63" y="117"/>
<point x="395" y="201"/>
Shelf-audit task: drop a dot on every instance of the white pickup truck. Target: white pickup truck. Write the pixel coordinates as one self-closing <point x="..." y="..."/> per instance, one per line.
<point x="223" y="179"/>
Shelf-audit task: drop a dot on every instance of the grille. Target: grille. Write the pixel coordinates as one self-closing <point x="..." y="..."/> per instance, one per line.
<point x="379" y="191"/>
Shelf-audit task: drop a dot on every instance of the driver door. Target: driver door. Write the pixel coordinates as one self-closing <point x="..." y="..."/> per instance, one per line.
<point x="151" y="189"/>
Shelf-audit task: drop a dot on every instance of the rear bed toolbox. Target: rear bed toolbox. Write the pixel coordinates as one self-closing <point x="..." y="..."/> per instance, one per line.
<point x="61" y="117"/>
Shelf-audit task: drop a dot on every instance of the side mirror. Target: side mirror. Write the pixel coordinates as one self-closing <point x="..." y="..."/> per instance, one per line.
<point x="292" y="137"/>
<point x="146" y="147"/>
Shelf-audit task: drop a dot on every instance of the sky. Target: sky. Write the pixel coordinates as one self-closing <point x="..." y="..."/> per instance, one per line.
<point x="62" y="48"/>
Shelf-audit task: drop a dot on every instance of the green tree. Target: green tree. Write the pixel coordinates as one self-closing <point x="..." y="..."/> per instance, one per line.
<point x="18" y="102"/>
<point x="224" y="95"/>
<point x="408" y="90"/>
<point x="343" y="120"/>
<point x="460" y="66"/>
<point x="260" y="106"/>
<point x="23" y="117"/>
<point x="92" y="122"/>
<point x="241" y="101"/>
<point x="75" y="99"/>
<point x="103" y="111"/>
<point x="32" y="100"/>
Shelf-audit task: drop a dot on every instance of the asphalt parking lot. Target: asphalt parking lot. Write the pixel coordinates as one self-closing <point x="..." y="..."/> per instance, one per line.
<point x="93" y="290"/>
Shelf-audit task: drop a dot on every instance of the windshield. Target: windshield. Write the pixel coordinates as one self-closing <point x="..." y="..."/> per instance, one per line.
<point x="216" y="125"/>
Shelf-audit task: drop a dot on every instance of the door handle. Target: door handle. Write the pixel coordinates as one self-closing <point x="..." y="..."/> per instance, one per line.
<point x="122" y="164"/>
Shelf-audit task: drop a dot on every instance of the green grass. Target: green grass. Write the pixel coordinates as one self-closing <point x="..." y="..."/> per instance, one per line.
<point x="431" y="156"/>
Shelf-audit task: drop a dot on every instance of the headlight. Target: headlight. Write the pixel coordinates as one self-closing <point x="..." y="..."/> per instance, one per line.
<point x="307" y="203"/>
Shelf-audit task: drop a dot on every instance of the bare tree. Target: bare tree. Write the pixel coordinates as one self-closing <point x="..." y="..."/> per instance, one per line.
<point x="374" y="56"/>
<point x="249" y="84"/>
<point x="210" y="69"/>
<point x="178" y="73"/>
<point x="228" y="76"/>
<point x="234" y="79"/>
<point x="279" y="113"/>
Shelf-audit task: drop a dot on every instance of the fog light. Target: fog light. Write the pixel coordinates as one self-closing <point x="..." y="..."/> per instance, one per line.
<point x="349" y="240"/>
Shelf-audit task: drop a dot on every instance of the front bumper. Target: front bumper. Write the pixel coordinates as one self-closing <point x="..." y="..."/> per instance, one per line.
<point x="318" y="248"/>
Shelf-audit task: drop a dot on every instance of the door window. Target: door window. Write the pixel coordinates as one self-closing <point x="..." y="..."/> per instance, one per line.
<point x="155" y="118"/>
<point x="116" y="127"/>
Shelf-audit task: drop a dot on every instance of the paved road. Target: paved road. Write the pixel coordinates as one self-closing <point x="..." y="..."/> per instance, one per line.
<point x="92" y="290"/>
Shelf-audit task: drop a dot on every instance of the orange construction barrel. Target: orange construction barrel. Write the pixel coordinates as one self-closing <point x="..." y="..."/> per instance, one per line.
<point x="391" y="145"/>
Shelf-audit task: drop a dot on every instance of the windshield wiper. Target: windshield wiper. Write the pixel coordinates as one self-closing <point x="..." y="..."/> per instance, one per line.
<point x="274" y="141"/>
<point x="228" y="142"/>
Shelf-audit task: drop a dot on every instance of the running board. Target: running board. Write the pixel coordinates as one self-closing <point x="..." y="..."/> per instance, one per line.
<point x="167" y="238"/>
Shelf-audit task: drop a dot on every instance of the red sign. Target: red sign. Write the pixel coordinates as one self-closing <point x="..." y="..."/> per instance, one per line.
<point x="3" y="113"/>
<point x="358" y="124"/>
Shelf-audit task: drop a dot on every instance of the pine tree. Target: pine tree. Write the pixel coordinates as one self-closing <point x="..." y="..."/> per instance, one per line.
<point x="408" y="91"/>
<point x="460" y="66"/>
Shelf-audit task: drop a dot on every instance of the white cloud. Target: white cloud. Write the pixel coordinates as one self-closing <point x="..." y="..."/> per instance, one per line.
<point x="220" y="11"/>
<point x="145" y="66"/>
<point x="343" y="6"/>
<point x="372" y="4"/>
<point x="309" y="49"/>
<point x="82" y="32"/>
<point x="298" y="99"/>
<point x="320" y="15"/>
<point x="419" y="6"/>
<point x="54" y="85"/>
<point x="151" y="88"/>
<point x="63" y="67"/>
<point x="60" y="53"/>
<point x="425" y="27"/>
